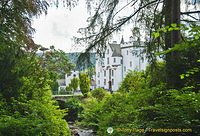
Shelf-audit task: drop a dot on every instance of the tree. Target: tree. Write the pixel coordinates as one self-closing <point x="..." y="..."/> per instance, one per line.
<point x="90" y="71"/>
<point x="173" y="64"/>
<point x="16" y="21"/>
<point x="74" y="84"/>
<point x="84" y="83"/>
<point x="56" y="61"/>
<point x="26" y="107"/>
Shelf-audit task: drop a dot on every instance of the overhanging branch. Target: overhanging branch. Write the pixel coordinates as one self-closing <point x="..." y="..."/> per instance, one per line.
<point x="190" y="12"/>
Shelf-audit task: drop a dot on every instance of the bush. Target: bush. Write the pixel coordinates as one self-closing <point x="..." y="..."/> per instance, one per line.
<point x="133" y="81"/>
<point x="69" y="88"/>
<point x="147" y="107"/>
<point x="30" y="110"/>
<point x="84" y="83"/>
<point x="74" y="108"/>
<point x="98" y="93"/>
<point x="74" y="84"/>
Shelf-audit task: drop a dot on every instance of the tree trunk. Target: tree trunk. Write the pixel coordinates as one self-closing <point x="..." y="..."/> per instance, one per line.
<point x="173" y="64"/>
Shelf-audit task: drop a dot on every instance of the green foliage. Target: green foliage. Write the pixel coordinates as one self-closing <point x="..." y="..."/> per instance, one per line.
<point x="84" y="83"/>
<point x="69" y="87"/>
<point x="37" y="119"/>
<point x="56" y="61"/>
<point x="62" y="92"/>
<point x="98" y="93"/>
<point x="74" y="109"/>
<point x="75" y="84"/>
<point x="156" y="74"/>
<point x="11" y="76"/>
<point x="132" y="82"/>
<point x="189" y="52"/>
<point x="150" y="107"/>
<point x="20" y="12"/>
<point x="73" y="103"/>
<point x="90" y="71"/>
<point x="54" y="83"/>
<point x="173" y="109"/>
<point x="27" y="109"/>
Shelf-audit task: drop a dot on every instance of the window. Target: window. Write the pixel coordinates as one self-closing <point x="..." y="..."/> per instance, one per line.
<point x="112" y="72"/>
<point x="98" y="74"/>
<point x="107" y="60"/>
<point x="124" y="68"/>
<point x="127" y="52"/>
<point x="104" y="81"/>
<point x="104" y="73"/>
<point x="112" y="81"/>
<point x="114" y="60"/>
<point x="108" y="51"/>
<point x="99" y="82"/>
<point x="121" y="61"/>
<point x="130" y="63"/>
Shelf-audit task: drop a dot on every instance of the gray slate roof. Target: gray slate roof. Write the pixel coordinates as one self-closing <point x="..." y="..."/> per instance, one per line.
<point x="116" y="50"/>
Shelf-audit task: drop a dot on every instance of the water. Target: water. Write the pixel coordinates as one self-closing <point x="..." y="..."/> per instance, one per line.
<point x="86" y="132"/>
<point x="77" y="131"/>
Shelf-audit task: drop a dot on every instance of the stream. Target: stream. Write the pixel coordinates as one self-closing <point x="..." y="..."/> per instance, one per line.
<point x="77" y="131"/>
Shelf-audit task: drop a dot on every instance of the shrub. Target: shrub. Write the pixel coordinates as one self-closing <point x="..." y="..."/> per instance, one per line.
<point x="74" y="108"/>
<point x="133" y="81"/>
<point x="74" y="84"/>
<point x="69" y="88"/>
<point x="61" y="91"/>
<point x="98" y="93"/>
<point x="84" y="83"/>
<point x="148" y="108"/>
<point x="30" y="110"/>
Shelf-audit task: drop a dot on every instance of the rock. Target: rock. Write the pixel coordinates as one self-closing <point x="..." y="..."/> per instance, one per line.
<point x="76" y="131"/>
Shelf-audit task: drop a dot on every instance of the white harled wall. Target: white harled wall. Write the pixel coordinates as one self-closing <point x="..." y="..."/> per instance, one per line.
<point x="127" y="61"/>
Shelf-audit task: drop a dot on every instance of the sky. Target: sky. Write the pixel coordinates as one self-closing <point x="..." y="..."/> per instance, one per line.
<point x="59" y="26"/>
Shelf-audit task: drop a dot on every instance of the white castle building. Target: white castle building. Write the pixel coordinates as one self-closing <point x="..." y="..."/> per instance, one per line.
<point x="112" y="68"/>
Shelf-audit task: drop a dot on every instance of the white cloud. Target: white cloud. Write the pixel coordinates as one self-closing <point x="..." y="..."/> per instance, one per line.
<point x="59" y="26"/>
